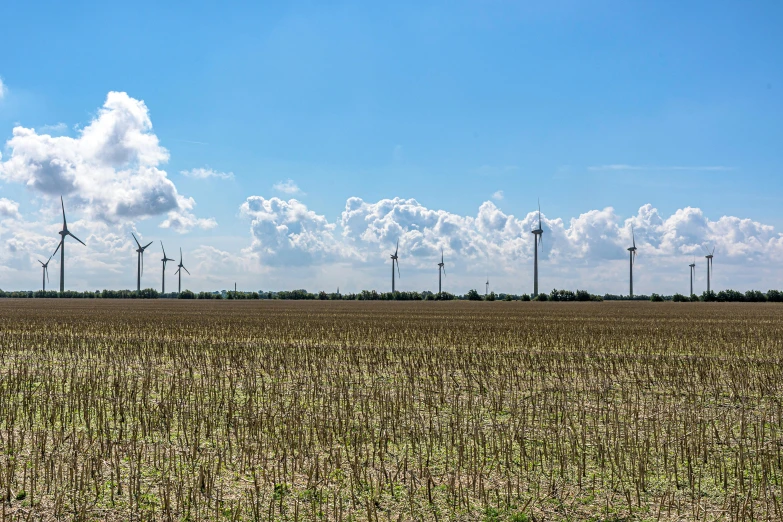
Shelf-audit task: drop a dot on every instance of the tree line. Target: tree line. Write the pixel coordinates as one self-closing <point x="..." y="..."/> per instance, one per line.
<point x="723" y="296"/>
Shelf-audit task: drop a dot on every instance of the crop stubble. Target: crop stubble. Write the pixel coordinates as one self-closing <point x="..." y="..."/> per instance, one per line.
<point x="390" y="411"/>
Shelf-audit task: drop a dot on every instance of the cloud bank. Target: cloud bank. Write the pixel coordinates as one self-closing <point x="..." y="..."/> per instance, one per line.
<point x="587" y="251"/>
<point x="292" y="246"/>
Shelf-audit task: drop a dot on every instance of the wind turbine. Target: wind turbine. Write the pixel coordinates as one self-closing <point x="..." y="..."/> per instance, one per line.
<point x="165" y="259"/>
<point x="63" y="233"/>
<point x="441" y="268"/>
<point x="709" y="257"/>
<point x="486" y="287"/>
<point x="537" y="233"/>
<point x="45" y="266"/>
<point x="693" y="272"/>
<point x="180" y="268"/>
<point x="632" y="258"/>
<point x="139" y="261"/>
<point x="395" y="259"/>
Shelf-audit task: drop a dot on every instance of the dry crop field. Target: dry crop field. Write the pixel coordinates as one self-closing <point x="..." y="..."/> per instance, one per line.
<point x="192" y="410"/>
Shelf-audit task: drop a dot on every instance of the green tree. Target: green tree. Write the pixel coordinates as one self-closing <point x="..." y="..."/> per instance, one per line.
<point x="473" y="295"/>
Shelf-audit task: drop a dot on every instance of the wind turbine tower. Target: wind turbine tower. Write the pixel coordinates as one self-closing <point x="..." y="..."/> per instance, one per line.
<point x="139" y="261"/>
<point x="63" y="233"/>
<point x="693" y="272"/>
<point x="164" y="260"/>
<point x="632" y="258"/>
<point x="45" y="266"/>
<point x="709" y="257"/>
<point x="537" y="233"/>
<point x="441" y="268"/>
<point x="395" y="260"/>
<point x="180" y="268"/>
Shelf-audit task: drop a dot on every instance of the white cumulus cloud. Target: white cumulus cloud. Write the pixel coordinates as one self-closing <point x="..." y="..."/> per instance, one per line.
<point x="287" y="187"/>
<point x="205" y="173"/>
<point x="111" y="169"/>
<point x="287" y="233"/>
<point x="57" y="128"/>
<point x="9" y="208"/>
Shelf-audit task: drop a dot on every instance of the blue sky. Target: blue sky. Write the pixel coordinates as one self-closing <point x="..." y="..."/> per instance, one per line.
<point x="586" y="105"/>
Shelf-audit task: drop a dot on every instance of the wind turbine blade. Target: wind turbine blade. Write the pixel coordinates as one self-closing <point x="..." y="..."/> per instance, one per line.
<point x="444" y="270"/>
<point x="539" y="213"/>
<point x="63" y="206"/>
<point x="177" y="272"/>
<point x="76" y="238"/>
<point x="180" y="255"/>
<point x="186" y="270"/>
<point x="136" y="240"/>
<point x="633" y="236"/>
<point x="46" y="270"/>
<point x="164" y="250"/>
<point x="398" y="269"/>
<point x="56" y="249"/>
<point x="42" y="264"/>
<point x="145" y="246"/>
<point x="397" y="248"/>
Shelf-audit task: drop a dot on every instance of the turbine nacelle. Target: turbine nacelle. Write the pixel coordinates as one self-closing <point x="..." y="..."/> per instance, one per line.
<point x="165" y="259"/>
<point x="709" y="257"/>
<point x="140" y="250"/>
<point x="61" y="246"/>
<point x="180" y="266"/>
<point x="633" y="248"/>
<point x="396" y="260"/>
<point x="540" y="230"/>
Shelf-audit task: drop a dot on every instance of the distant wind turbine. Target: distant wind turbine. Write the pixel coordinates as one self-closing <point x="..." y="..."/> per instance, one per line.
<point x="395" y="260"/>
<point x="139" y="261"/>
<point x="45" y="267"/>
<point x="632" y="258"/>
<point x="441" y="268"/>
<point x="709" y="257"/>
<point x="486" y="287"/>
<point x="537" y="233"/>
<point x="180" y="268"/>
<point x="63" y="233"/>
<point x="693" y="272"/>
<point x="164" y="260"/>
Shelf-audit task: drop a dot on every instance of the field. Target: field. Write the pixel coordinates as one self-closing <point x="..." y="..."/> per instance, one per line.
<point x="172" y="410"/>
